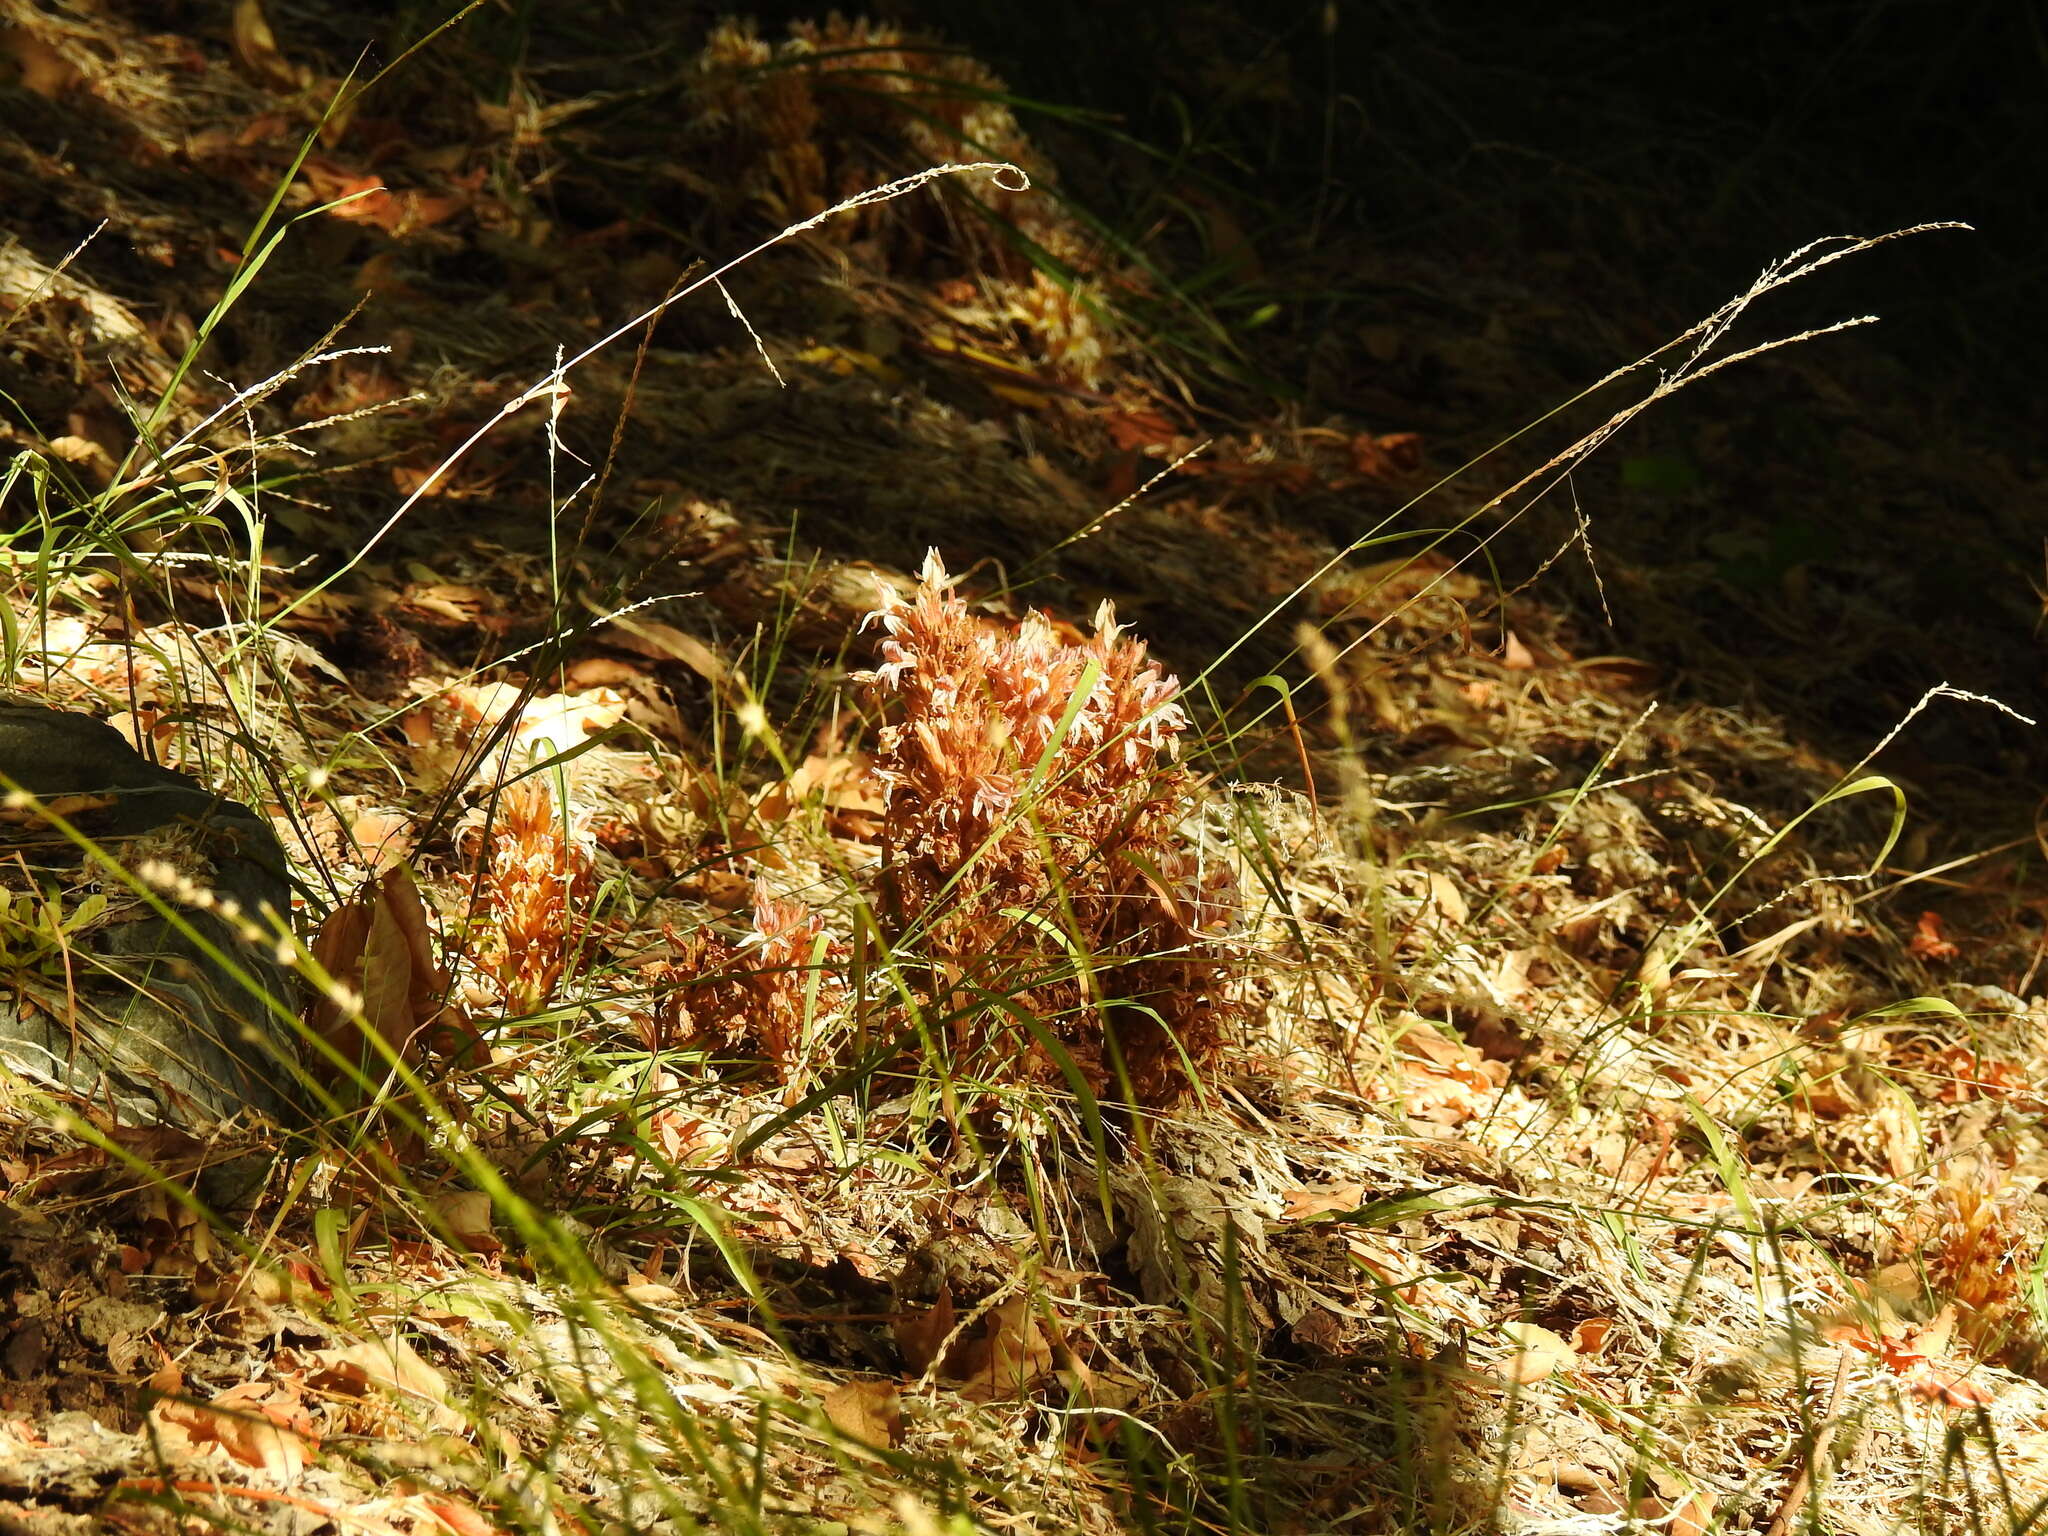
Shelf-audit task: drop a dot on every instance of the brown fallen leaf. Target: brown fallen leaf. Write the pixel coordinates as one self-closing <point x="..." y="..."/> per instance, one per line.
<point x="1304" y="1203"/>
<point x="664" y="642"/>
<point x="1539" y="1353"/>
<point x="391" y="1365"/>
<point x="1917" y="1354"/>
<point x="1009" y="1356"/>
<point x="921" y="1335"/>
<point x="255" y="49"/>
<point x="467" y="1215"/>
<point x="1691" y="1515"/>
<point x="1590" y="1337"/>
<point x="868" y="1411"/>
<point x="379" y="946"/>
<point x="245" y="1424"/>
<point x="43" y="70"/>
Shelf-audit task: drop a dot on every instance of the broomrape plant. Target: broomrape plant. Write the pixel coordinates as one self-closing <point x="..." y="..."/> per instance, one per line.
<point x="1033" y="849"/>
<point x="1033" y="871"/>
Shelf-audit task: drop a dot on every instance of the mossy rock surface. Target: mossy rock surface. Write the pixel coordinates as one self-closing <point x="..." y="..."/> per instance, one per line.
<point x="162" y="1022"/>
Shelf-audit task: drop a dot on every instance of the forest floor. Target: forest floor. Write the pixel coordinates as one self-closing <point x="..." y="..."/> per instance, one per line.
<point x="1549" y="1083"/>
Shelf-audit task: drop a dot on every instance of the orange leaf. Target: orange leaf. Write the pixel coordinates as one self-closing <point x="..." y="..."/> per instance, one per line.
<point x="460" y="1519"/>
<point x="379" y="945"/>
<point x="1304" y="1203"/>
<point x="1591" y="1336"/>
<point x="248" y="1431"/>
<point x="1928" y="944"/>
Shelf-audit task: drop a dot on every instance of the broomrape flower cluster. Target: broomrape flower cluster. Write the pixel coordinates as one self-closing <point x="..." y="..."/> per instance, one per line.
<point x="773" y="993"/>
<point x="1033" y="844"/>
<point x="538" y="880"/>
<point x="1033" y="868"/>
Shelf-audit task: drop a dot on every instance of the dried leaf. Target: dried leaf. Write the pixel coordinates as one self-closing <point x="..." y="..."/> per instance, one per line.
<point x="664" y="642"/>
<point x="1693" y="1517"/>
<point x="44" y="71"/>
<point x="460" y="1519"/>
<point x="548" y="723"/>
<point x="391" y="1364"/>
<point x="1590" y="1337"/>
<point x="1539" y="1353"/>
<point x="258" y="1434"/>
<point x="1304" y="1203"/>
<point x="380" y="946"/>
<point x="1009" y="1357"/>
<point x="1927" y="943"/>
<point x="467" y="1215"/>
<point x="256" y="50"/>
<point x="1449" y="902"/>
<point x="1947" y="1383"/>
<point x="868" y="1411"/>
<point x="921" y="1335"/>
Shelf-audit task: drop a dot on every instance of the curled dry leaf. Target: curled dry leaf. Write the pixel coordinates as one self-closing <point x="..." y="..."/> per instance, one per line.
<point x="467" y="1215"/>
<point x="1008" y="1356"/>
<point x="380" y="947"/>
<point x="1591" y="1336"/>
<point x="548" y="724"/>
<point x="393" y="1366"/>
<point x="256" y="50"/>
<point x="1539" y="1353"/>
<point x="251" y="1424"/>
<point x="1917" y="1354"/>
<point x="1927" y="942"/>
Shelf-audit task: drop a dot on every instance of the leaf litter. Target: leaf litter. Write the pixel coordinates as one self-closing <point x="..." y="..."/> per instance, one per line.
<point x="1558" y="1113"/>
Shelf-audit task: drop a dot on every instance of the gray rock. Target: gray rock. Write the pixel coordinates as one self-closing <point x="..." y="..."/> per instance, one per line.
<point x="126" y="1010"/>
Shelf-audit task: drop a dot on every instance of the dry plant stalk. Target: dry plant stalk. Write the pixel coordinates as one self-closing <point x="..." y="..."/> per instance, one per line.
<point x="536" y="882"/>
<point x="1033" y="844"/>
